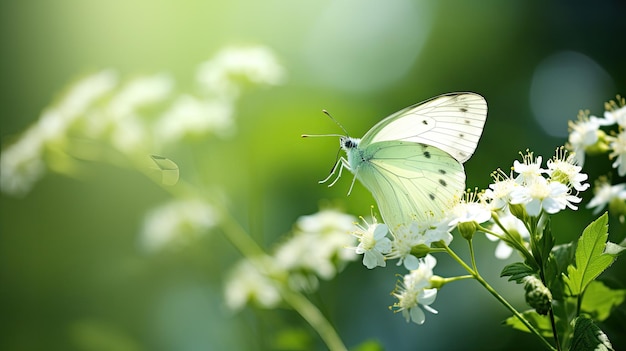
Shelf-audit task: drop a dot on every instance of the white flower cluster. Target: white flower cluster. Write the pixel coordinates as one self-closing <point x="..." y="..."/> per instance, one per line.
<point x="317" y="249"/>
<point x="530" y="191"/>
<point x="137" y="118"/>
<point x="587" y="136"/>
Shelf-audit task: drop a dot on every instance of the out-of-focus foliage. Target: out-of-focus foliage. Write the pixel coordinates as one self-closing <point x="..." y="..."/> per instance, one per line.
<point x="74" y="272"/>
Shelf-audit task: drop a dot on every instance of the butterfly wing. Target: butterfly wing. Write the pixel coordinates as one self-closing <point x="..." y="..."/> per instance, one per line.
<point x="410" y="181"/>
<point x="450" y="122"/>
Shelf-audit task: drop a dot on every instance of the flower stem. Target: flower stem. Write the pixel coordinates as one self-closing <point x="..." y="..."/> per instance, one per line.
<point x="493" y="292"/>
<point x="315" y="318"/>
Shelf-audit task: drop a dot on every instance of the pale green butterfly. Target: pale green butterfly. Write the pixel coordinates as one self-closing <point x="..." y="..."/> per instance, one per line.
<point x="412" y="161"/>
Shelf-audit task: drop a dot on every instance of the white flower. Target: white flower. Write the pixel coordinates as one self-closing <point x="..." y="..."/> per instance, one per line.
<point x="319" y="242"/>
<point x="470" y="209"/>
<point x="512" y="225"/>
<point x="413" y="292"/>
<point x="250" y="280"/>
<point x="373" y="243"/>
<point x="498" y="195"/>
<point x="529" y="169"/>
<point x="618" y="146"/>
<point x="438" y="231"/>
<point x="174" y="222"/>
<point x="605" y="193"/>
<point x="257" y="65"/>
<point x="563" y="168"/>
<point x="539" y="195"/>
<point x="407" y="237"/>
<point x="583" y="133"/>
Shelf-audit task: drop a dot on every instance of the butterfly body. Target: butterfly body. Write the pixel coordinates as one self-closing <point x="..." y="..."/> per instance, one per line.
<point x="412" y="161"/>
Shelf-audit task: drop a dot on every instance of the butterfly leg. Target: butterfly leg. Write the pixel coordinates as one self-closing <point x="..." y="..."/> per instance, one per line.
<point x="332" y="172"/>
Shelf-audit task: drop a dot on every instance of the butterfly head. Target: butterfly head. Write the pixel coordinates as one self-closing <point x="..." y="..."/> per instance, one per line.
<point x="348" y="143"/>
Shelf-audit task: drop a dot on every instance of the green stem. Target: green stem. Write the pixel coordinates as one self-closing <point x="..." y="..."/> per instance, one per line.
<point x="493" y="292"/>
<point x="315" y="318"/>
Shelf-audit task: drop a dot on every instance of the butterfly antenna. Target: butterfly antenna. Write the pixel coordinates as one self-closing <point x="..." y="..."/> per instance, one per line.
<point x="336" y="122"/>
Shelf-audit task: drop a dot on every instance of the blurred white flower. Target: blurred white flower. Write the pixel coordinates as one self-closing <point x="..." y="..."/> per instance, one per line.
<point x="615" y="113"/>
<point x="189" y="115"/>
<point x="618" y="151"/>
<point x="413" y="292"/>
<point x="140" y="92"/>
<point x="250" y="280"/>
<point x="130" y="135"/>
<point x="408" y="237"/>
<point x="85" y="92"/>
<point x="318" y="245"/>
<point x="221" y="74"/>
<point x="176" y="222"/>
<point x="373" y="243"/>
<point x="605" y="193"/>
<point x="22" y="163"/>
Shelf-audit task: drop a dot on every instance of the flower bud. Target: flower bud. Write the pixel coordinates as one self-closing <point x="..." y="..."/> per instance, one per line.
<point x="537" y="295"/>
<point x="519" y="211"/>
<point x="436" y="282"/>
<point x="420" y="250"/>
<point x="467" y="229"/>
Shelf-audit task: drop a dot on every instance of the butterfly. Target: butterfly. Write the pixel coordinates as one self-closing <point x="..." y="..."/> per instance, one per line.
<point x="412" y="161"/>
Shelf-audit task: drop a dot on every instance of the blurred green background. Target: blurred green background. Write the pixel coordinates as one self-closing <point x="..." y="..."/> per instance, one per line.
<point x="71" y="274"/>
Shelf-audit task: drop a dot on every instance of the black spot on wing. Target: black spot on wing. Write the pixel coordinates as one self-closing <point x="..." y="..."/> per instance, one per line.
<point x="427" y="154"/>
<point x="443" y="182"/>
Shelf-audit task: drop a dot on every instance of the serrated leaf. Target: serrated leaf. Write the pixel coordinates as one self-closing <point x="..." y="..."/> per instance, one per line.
<point x="167" y="170"/>
<point x="590" y="257"/>
<point x="599" y="300"/>
<point x="539" y="322"/>
<point x="517" y="271"/>
<point x="587" y="336"/>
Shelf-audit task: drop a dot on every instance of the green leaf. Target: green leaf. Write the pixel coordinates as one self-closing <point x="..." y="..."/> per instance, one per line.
<point x="167" y="170"/>
<point x="590" y="257"/>
<point x="599" y="300"/>
<point x="587" y="336"/>
<point x="539" y="322"/>
<point x="517" y="271"/>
